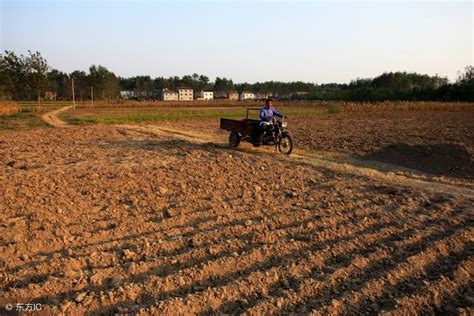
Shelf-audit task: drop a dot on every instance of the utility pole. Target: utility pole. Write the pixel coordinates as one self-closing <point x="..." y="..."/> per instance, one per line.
<point x="73" y="95"/>
<point x="92" y="95"/>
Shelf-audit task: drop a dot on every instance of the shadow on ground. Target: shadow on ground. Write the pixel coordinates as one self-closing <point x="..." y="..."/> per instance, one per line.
<point x="437" y="159"/>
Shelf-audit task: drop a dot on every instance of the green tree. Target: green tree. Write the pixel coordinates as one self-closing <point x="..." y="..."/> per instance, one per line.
<point x="14" y="82"/>
<point x="223" y="84"/>
<point x="144" y="86"/>
<point x="59" y="83"/>
<point x="81" y="83"/>
<point x="104" y="82"/>
<point x="204" y="82"/>
<point x="161" y="83"/>
<point x="187" y="81"/>
<point x="37" y="69"/>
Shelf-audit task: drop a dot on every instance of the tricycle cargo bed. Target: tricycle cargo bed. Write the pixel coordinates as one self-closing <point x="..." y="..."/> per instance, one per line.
<point x="245" y="127"/>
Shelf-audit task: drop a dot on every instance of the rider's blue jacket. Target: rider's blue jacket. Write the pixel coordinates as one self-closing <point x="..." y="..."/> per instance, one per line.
<point x="266" y="115"/>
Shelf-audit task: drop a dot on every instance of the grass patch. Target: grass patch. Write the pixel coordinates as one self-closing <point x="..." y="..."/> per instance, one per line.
<point x="78" y="119"/>
<point x="21" y="121"/>
<point x="334" y="108"/>
<point x="127" y="118"/>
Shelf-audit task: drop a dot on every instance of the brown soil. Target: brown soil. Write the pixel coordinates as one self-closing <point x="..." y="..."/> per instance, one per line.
<point x="440" y="143"/>
<point x="103" y="219"/>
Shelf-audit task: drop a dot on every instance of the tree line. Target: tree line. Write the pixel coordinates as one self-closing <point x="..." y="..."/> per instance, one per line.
<point x="30" y="77"/>
<point x="399" y="86"/>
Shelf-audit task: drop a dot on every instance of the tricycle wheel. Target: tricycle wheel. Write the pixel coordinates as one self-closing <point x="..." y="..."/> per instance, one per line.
<point x="234" y="139"/>
<point x="285" y="145"/>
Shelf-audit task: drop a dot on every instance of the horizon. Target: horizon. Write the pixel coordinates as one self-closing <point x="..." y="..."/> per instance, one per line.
<point x="318" y="43"/>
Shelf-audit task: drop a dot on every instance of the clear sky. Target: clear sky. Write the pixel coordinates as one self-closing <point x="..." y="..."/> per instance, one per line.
<point x="315" y="41"/>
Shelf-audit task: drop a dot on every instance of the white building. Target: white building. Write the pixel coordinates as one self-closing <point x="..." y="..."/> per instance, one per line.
<point x="127" y="94"/>
<point x="246" y="95"/>
<point x="205" y="95"/>
<point x="185" y="94"/>
<point x="170" y="95"/>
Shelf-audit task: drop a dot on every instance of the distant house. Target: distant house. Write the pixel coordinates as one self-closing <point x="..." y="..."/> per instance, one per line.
<point x="50" y="95"/>
<point x="220" y="95"/>
<point x="246" y="95"/>
<point x="262" y="95"/>
<point x="127" y="94"/>
<point x="301" y="93"/>
<point x="185" y="94"/>
<point x="205" y="95"/>
<point x="169" y="95"/>
<point x="233" y="95"/>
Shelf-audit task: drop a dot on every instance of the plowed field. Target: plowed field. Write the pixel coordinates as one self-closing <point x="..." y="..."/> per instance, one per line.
<point x="111" y="219"/>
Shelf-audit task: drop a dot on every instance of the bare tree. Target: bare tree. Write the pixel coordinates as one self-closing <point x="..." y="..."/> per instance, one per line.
<point x="467" y="75"/>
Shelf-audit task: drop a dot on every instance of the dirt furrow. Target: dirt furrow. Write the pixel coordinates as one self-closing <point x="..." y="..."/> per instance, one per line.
<point x="361" y="240"/>
<point x="201" y="254"/>
<point x="440" y="246"/>
<point x="311" y="292"/>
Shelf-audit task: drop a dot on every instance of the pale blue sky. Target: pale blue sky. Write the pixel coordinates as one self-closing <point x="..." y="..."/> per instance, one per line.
<point x="316" y="41"/>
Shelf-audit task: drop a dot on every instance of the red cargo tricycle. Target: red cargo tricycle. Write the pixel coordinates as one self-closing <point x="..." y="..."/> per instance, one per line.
<point x="275" y="134"/>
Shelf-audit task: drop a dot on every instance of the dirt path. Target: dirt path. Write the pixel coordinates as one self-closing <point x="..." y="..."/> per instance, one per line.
<point x="51" y="118"/>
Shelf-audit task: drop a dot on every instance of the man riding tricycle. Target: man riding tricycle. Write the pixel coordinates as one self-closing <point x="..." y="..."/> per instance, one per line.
<point x="270" y="129"/>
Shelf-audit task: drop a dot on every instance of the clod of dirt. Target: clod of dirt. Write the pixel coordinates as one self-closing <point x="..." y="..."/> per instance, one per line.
<point x="163" y="190"/>
<point x="129" y="255"/>
<point x="80" y="297"/>
<point x="66" y="305"/>
<point x="213" y="251"/>
<point x="73" y="264"/>
<point x="96" y="278"/>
